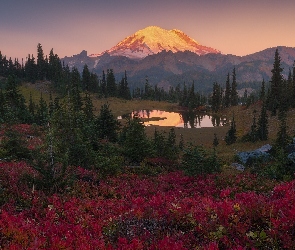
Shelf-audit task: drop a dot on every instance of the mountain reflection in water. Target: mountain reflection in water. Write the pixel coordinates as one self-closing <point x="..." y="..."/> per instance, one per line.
<point x="184" y="119"/>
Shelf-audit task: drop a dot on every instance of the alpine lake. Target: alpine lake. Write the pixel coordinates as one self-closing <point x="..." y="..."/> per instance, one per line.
<point x="180" y="119"/>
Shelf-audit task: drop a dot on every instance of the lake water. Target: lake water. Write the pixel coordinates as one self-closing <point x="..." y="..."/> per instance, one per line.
<point x="182" y="119"/>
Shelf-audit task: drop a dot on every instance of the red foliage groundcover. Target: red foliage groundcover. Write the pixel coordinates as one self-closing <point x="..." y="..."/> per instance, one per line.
<point x="170" y="211"/>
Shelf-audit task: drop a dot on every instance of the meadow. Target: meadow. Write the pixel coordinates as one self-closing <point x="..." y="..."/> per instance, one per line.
<point x="147" y="208"/>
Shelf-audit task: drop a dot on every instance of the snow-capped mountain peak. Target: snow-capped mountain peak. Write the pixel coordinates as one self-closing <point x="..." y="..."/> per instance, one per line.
<point x="153" y="40"/>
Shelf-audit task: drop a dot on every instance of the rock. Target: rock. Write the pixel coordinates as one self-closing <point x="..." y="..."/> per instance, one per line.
<point x="292" y="157"/>
<point x="261" y="153"/>
<point x="238" y="166"/>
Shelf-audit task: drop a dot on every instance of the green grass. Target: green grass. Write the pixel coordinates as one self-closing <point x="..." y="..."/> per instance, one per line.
<point x="36" y="89"/>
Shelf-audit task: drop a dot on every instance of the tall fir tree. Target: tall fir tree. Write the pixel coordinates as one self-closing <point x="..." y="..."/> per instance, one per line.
<point x="32" y="109"/>
<point x="103" y="85"/>
<point x="75" y="90"/>
<point x="216" y="100"/>
<point x="282" y="139"/>
<point x="41" y="63"/>
<point x="111" y="83"/>
<point x="215" y="141"/>
<point x="234" y="93"/>
<point x="88" y="108"/>
<point x="262" y="124"/>
<point x="123" y="89"/>
<point x="42" y="112"/>
<point x="15" y="103"/>
<point x="93" y="83"/>
<point x="253" y="134"/>
<point x="2" y="107"/>
<point x="262" y="91"/>
<point x="293" y="86"/>
<point x="106" y="124"/>
<point x="192" y="97"/>
<point x="31" y="69"/>
<point x="85" y="78"/>
<point x="54" y="68"/>
<point x="227" y="93"/>
<point x="231" y="136"/>
<point x="275" y="94"/>
<point x="134" y="141"/>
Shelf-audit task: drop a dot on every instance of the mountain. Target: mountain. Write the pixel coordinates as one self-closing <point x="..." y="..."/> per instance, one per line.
<point x="152" y="40"/>
<point x="177" y="59"/>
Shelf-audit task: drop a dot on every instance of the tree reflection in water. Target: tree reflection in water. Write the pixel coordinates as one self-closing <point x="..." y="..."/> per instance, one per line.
<point x="185" y="119"/>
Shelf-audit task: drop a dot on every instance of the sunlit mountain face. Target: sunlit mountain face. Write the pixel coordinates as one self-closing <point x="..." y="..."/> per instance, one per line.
<point x="153" y="40"/>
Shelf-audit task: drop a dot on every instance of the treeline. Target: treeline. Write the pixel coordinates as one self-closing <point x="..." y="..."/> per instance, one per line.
<point x="276" y="99"/>
<point x="277" y="95"/>
<point x="227" y="97"/>
<point x="63" y="79"/>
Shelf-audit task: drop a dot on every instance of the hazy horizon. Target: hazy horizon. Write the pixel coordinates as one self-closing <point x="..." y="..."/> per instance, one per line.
<point x="70" y="26"/>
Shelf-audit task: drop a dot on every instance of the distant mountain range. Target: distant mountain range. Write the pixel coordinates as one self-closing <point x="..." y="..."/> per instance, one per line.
<point x="170" y="57"/>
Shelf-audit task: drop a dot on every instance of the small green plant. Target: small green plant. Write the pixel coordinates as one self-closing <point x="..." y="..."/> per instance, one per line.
<point x="196" y="161"/>
<point x="215" y="141"/>
<point x="231" y="136"/>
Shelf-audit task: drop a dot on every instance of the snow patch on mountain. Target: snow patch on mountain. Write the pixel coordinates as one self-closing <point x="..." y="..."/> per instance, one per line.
<point x="153" y="40"/>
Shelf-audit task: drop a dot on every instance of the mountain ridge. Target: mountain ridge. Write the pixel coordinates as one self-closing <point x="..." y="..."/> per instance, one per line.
<point x="170" y="67"/>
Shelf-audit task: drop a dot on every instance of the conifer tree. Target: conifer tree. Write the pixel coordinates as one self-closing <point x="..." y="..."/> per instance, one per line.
<point x="216" y="97"/>
<point x="148" y="91"/>
<point x="288" y="92"/>
<point x="123" y="89"/>
<point x="106" y="124"/>
<point x="262" y="91"/>
<point x="111" y="83"/>
<point x="134" y="140"/>
<point x="215" y="141"/>
<point x="55" y="68"/>
<point x="85" y="78"/>
<point x="32" y="108"/>
<point x="103" y="85"/>
<point x="41" y="63"/>
<point x="231" y="137"/>
<point x="93" y="83"/>
<point x="42" y="112"/>
<point x="2" y="107"/>
<point x="184" y="97"/>
<point x="31" y="69"/>
<point x="159" y="142"/>
<point x="282" y="139"/>
<point x="56" y="104"/>
<point x="15" y="104"/>
<point x="192" y="97"/>
<point x="14" y="145"/>
<point x="1" y="64"/>
<point x="181" y="142"/>
<point x="253" y="134"/>
<point x="171" y="147"/>
<point x="275" y="94"/>
<point x="75" y="91"/>
<point x="227" y="94"/>
<point x="50" y="105"/>
<point x="293" y="86"/>
<point x="88" y="108"/>
<point x="234" y="93"/>
<point x="262" y="124"/>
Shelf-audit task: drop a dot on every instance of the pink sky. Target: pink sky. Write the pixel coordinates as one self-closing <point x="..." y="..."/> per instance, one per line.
<point x="70" y="26"/>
